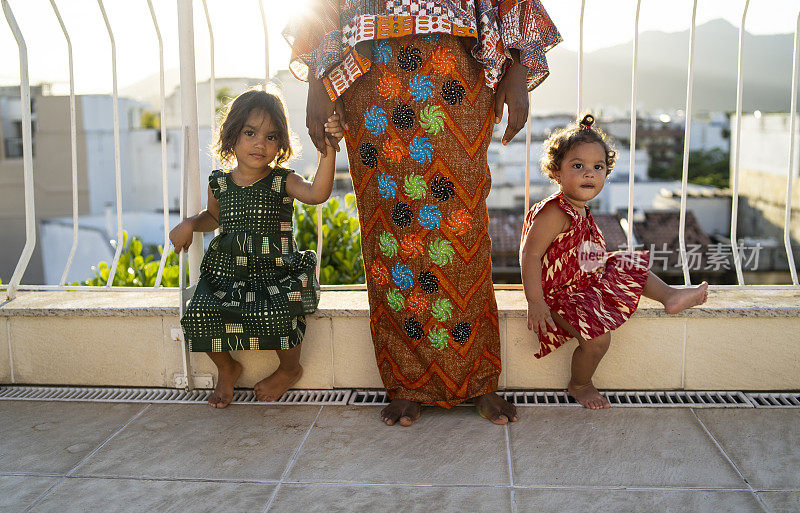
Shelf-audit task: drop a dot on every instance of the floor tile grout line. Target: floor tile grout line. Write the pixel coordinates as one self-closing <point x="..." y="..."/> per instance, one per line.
<point x="68" y="474"/>
<point x="735" y="467"/>
<point x="47" y="492"/>
<point x="177" y="479"/>
<point x="291" y="462"/>
<point x="510" y="470"/>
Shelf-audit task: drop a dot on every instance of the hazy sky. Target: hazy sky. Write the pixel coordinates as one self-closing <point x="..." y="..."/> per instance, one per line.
<point x="239" y="35"/>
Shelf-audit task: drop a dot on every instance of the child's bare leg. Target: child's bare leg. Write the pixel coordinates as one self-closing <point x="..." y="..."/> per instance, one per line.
<point x="675" y="300"/>
<point x="584" y="362"/>
<point x="228" y="371"/>
<point x="401" y="411"/>
<point x="286" y="375"/>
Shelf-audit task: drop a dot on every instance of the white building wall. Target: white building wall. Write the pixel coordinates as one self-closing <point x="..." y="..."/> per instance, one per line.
<point x="765" y="144"/>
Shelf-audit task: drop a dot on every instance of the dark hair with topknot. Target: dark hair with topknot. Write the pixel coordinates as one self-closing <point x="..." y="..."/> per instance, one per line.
<point x="255" y="99"/>
<point x="564" y="139"/>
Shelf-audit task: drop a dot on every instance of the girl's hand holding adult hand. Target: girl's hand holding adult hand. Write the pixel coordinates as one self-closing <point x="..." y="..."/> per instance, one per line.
<point x="319" y="108"/>
<point x="333" y="128"/>
<point x="181" y="236"/>
<point x="539" y="317"/>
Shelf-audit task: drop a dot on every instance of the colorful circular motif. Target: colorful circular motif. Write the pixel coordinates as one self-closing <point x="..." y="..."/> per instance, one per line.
<point x="401" y="215"/>
<point x="403" y="116"/>
<point x="461" y="332"/>
<point x="416" y="302"/>
<point x="442" y="309"/>
<point x="420" y="88"/>
<point x="441" y="252"/>
<point x="369" y="155"/>
<point x="438" y="338"/>
<point x="381" y="51"/>
<point x="421" y="150"/>
<point x="409" y="58"/>
<point x="389" y="86"/>
<point x="402" y="276"/>
<point x="387" y="187"/>
<point x="428" y="282"/>
<point x="459" y="222"/>
<point x="415" y="186"/>
<point x="394" y="150"/>
<point x="453" y="92"/>
<point x="411" y="246"/>
<point x="388" y="244"/>
<point x="442" y="188"/>
<point x="395" y="299"/>
<point x="431" y="119"/>
<point x="380" y="274"/>
<point x="413" y="329"/>
<point x="443" y="61"/>
<point x="430" y="217"/>
<point x="375" y="120"/>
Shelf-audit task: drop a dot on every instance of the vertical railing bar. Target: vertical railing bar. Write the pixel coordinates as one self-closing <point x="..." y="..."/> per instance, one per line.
<point x="212" y="82"/>
<point x="735" y="193"/>
<point x="188" y="81"/>
<point x="528" y="130"/>
<point x="27" y="157"/>
<point x="580" y="61"/>
<point x="73" y="145"/>
<point x="319" y="235"/>
<point x="787" y="238"/>
<point x="117" y="164"/>
<point x="634" y="85"/>
<point x="687" y="279"/>
<point x="266" y="43"/>
<point x="163" y="107"/>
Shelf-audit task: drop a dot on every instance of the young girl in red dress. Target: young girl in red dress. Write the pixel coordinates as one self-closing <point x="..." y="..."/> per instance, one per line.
<point x="573" y="286"/>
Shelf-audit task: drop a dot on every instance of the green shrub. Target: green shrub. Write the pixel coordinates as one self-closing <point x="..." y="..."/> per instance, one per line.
<point x="342" y="263"/>
<point x="135" y="269"/>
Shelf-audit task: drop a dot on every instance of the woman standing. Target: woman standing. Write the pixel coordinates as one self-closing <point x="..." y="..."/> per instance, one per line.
<point x="419" y="85"/>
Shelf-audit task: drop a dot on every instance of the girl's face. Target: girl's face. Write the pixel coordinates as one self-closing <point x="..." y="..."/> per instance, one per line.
<point x="257" y="143"/>
<point x="582" y="173"/>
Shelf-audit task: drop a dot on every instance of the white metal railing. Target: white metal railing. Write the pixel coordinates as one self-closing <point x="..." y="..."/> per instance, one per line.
<point x="190" y="179"/>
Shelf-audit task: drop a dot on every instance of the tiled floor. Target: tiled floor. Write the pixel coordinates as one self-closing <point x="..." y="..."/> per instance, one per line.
<point x="64" y="457"/>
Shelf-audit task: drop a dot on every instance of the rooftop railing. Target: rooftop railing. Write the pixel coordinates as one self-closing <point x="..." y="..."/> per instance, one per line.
<point x="190" y="169"/>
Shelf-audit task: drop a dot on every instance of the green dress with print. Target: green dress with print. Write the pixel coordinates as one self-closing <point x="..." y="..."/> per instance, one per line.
<point x="255" y="286"/>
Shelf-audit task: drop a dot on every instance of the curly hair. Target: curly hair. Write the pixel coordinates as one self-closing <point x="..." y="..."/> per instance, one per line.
<point x="256" y="99"/>
<point x="564" y="139"/>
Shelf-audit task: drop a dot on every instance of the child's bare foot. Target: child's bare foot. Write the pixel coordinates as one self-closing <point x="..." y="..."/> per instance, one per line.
<point x="401" y="411"/>
<point x="226" y="379"/>
<point x="681" y="299"/>
<point x="273" y="386"/>
<point x="588" y="396"/>
<point x="493" y="407"/>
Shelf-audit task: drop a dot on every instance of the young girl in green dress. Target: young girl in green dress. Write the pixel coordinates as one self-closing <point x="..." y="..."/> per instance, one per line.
<point x="255" y="286"/>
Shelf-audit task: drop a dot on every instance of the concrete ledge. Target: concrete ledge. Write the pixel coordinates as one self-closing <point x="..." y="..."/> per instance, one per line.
<point x="724" y="303"/>
<point x="739" y="340"/>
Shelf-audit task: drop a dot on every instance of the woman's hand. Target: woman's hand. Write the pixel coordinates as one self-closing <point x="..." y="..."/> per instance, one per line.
<point x="319" y="108"/>
<point x="539" y="317"/>
<point x="512" y="91"/>
<point x="181" y="236"/>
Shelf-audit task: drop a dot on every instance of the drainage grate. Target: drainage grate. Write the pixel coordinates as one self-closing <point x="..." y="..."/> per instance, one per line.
<point x="774" y="399"/>
<point x="660" y="399"/>
<point x="163" y="395"/>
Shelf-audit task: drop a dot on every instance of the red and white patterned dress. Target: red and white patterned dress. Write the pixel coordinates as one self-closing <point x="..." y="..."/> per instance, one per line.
<point x="593" y="290"/>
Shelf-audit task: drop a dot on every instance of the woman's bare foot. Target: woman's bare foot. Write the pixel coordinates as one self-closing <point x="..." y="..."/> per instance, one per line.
<point x="401" y="411"/>
<point x="273" y="386"/>
<point x="588" y="396"/>
<point x="681" y="299"/>
<point x="226" y="379"/>
<point x="493" y="407"/>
